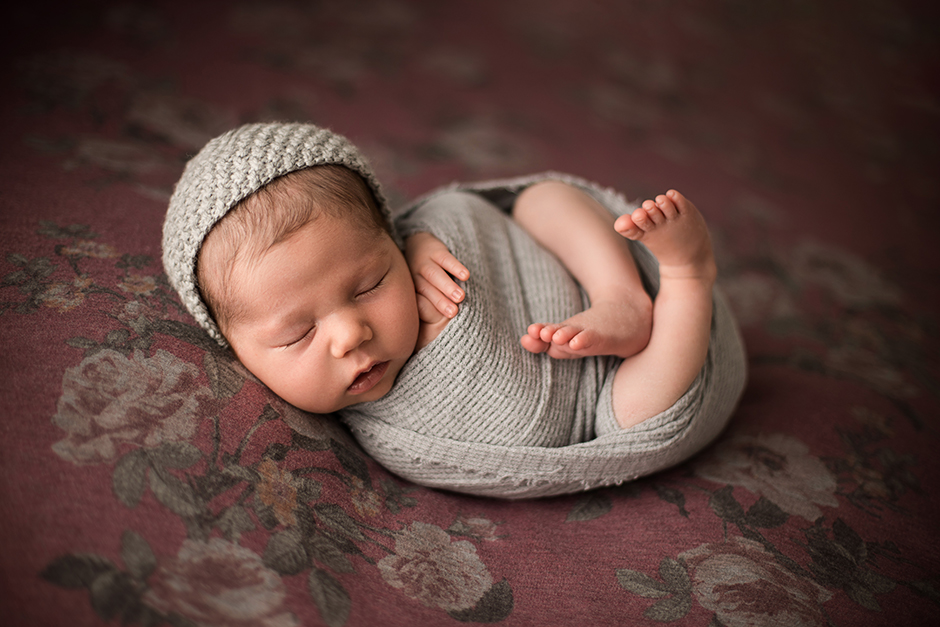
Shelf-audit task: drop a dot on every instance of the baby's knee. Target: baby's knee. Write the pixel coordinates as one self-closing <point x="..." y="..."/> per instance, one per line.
<point x="535" y="197"/>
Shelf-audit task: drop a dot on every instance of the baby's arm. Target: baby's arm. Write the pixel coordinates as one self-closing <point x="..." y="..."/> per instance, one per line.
<point x="580" y="232"/>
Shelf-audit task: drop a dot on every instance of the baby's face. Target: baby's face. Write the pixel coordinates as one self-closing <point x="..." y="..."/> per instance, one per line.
<point x="330" y="315"/>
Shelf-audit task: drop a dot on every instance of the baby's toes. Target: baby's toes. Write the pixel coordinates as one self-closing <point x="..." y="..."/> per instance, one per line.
<point x="642" y="220"/>
<point x="626" y="227"/>
<point x="564" y="335"/>
<point x="682" y="204"/>
<point x="654" y="212"/>
<point x="547" y="333"/>
<point x="562" y="352"/>
<point x="534" y="344"/>
<point x="666" y="205"/>
<point x="583" y="341"/>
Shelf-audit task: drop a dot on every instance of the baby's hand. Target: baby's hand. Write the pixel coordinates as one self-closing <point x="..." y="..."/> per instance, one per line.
<point x="433" y="267"/>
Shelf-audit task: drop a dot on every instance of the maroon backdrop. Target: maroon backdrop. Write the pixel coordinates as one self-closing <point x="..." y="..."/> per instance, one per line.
<point x="146" y="480"/>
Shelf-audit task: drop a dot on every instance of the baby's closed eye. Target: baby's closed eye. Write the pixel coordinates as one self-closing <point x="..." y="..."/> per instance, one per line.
<point x="375" y="286"/>
<point x="308" y="333"/>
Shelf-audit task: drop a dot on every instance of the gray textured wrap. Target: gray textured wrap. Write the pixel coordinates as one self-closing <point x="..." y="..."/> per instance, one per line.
<point x="473" y="412"/>
<point x="227" y="170"/>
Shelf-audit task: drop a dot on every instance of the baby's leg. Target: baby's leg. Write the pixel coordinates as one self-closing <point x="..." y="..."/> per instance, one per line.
<point x="655" y="378"/>
<point x="579" y="231"/>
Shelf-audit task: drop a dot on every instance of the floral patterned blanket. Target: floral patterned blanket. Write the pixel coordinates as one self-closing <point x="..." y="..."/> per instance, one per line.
<point x="146" y="479"/>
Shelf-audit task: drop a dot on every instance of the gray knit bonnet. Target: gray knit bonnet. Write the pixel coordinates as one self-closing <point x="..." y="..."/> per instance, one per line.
<point x="227" y="170"/>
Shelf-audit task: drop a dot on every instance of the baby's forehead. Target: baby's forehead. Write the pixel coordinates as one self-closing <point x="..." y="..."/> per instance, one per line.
<point x="319" y="229"/>
<point x="326" y="246"/>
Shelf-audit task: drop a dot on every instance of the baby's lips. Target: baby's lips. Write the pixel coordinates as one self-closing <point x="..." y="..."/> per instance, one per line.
<point x="367" y="379"/>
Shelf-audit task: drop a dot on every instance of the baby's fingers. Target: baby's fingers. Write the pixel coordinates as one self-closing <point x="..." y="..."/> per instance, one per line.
<point x="445" y="259"/>
<point x="427" y="311"/>
<point x="436" y="277"/>
<point x="435" y="297"/>
<point x="431" y="260"/>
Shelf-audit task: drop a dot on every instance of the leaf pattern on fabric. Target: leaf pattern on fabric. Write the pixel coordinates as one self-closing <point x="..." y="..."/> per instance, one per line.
<point x="672" y="589"/>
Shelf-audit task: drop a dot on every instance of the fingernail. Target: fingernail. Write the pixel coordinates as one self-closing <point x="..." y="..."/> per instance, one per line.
<point x="457" y="294"/>
<point x="451" y="311"/>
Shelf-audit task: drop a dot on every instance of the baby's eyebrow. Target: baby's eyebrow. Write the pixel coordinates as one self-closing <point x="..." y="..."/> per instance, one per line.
<point x="283" y="323"/>
<point x="371" y="263"/>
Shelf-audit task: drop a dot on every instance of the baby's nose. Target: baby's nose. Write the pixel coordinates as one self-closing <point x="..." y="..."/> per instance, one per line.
<point x="351" y="332"/>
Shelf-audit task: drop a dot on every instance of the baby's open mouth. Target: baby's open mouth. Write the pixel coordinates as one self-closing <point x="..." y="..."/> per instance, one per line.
<point x="368" y="378"/>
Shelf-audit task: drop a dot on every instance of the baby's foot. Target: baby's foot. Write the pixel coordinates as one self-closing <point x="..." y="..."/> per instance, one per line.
<point x="616" y="327"/>
<point x="672" y="228"/>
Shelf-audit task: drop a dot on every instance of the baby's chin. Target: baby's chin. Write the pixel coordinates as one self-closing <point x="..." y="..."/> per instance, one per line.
<point x="286" y="401"/>
<point x="316" y="407"/>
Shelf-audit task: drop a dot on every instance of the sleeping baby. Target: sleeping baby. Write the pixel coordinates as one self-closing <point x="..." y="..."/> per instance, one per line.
<point x="516" y="338"/>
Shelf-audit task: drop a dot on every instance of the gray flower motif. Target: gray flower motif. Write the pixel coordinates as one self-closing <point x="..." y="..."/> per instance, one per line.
<point x="218" y="583"/>
<point x="776" y="466"/>
<point x="111" y="398"/>
<point x="431" y="568"/>
<point x="745" y="585"/>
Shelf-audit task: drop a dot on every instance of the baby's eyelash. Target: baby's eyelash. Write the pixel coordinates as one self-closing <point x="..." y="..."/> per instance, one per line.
<point x="299" y="339"/>
<point x="374" y="287"/>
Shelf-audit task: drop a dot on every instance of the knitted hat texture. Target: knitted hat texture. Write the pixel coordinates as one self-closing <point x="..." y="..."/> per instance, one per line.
<point x="227" y="170"/>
